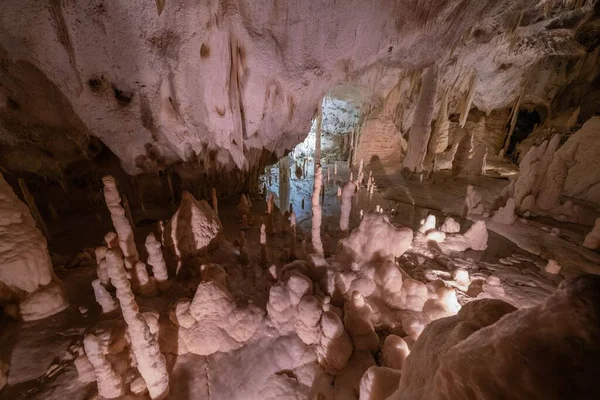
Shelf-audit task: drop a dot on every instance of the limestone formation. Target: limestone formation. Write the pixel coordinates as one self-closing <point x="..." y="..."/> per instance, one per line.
<point x="193" y="229"/>
<point x="592" y="239"/>
<point x="150" y="362"/>
<point x="316" y="211"/>
<point x="25" y="266"/>
<point x="346" y="207"/>
<point x="119" y="219"/>
<point x="103" y="297"/>
<point x="110" y="383"/>
<point x="157" y="261"/>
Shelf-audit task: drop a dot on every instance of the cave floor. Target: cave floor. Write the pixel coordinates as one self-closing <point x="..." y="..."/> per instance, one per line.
<point x="41" y="365"/>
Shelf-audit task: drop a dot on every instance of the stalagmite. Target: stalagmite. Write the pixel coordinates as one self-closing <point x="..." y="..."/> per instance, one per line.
<point x="592" y="239"/>
<point x="110" y="384"/>
<point x="39" y="221"/>
<point x="553" y="185"/>
<point x="477" y="236"/>
<point x="112" y="241"/>
<point x="101" y="270"/>
<point x="421" y="127"/>
<point x="464" y="113"/>
<point x="346" y="207"/>
<point x="145" y="285"/>
<point x="120" y="221"/>
<point x="243" y="207"/>
<point x="150" y="362"/>
<point x="450" y="226"/>
<point x="335" y="171"/>
<point x="293" y="229"/>
<point x="552" y="267"/>
<point x="360" y="172"/>
<point x="335" y="346"/>
<point x="394" y="352"/>
<point x="473" y="203"/>
<point x="157" y="261"/>
<point x="506" y="215"/>
<point x="269" y="216"/>
<point x="263" y="244"/>
<point x="316" y="211"/>
<point x="358" y="325"/>
<point x="103" y="297"/>
<point x="427" y="224"/>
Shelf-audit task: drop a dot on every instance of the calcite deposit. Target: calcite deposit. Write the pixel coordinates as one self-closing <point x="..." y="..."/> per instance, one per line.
<point x="324" y="200"/>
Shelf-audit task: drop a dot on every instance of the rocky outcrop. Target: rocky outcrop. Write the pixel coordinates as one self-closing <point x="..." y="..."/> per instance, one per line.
<point x="557" y="338"/>
<point x="26" y="271"/>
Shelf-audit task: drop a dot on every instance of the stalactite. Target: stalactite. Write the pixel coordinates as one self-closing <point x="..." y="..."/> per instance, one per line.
<point x="39" y="221"/>
<point x="316" y="210"/>
<point x="466" y="105"/>
<point x="421" y="127"/>
<point x="318" y="135"/>
<point x="513" y="121"/>
<point x="170" y="185"/>
<point x="215" y="201"/>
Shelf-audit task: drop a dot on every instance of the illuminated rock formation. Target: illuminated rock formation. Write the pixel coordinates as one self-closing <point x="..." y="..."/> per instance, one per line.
<point x="25" y="265"/>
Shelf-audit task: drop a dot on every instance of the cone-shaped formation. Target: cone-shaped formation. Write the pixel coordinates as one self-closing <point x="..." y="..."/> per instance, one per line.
<point x="346" y="207"/>
<point x="193" y="229"/>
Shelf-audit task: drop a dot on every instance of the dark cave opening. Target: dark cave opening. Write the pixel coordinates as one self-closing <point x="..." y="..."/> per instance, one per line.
<point x="526" y="122"/>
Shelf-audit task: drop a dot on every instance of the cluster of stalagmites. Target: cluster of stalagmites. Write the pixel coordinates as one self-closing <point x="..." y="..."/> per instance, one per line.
<point x="346" y="308"/>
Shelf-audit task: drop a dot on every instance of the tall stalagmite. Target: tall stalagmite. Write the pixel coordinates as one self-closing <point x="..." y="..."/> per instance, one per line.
<point x="150" y="362"/>
<point x="316" y="210"/>
<point x="119" y="219"/>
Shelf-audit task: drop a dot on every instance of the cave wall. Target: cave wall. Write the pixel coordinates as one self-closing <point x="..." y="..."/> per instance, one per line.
<point x="223" y="86"/>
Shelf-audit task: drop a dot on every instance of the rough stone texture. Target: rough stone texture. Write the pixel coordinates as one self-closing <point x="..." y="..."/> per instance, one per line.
<point x="25" y="266"/>
<point x="375" y="238"/>
<point x="218" y="82"/>
<point x="192" y="229"/>
<point x="557" y="339"/>
<point x="24" y="260"/>
<point x="583" y="179"/>
<point x="212" y="322"/>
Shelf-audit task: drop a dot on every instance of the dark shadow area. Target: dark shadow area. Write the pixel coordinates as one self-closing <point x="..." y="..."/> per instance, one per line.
<point x="526" y="122"/>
